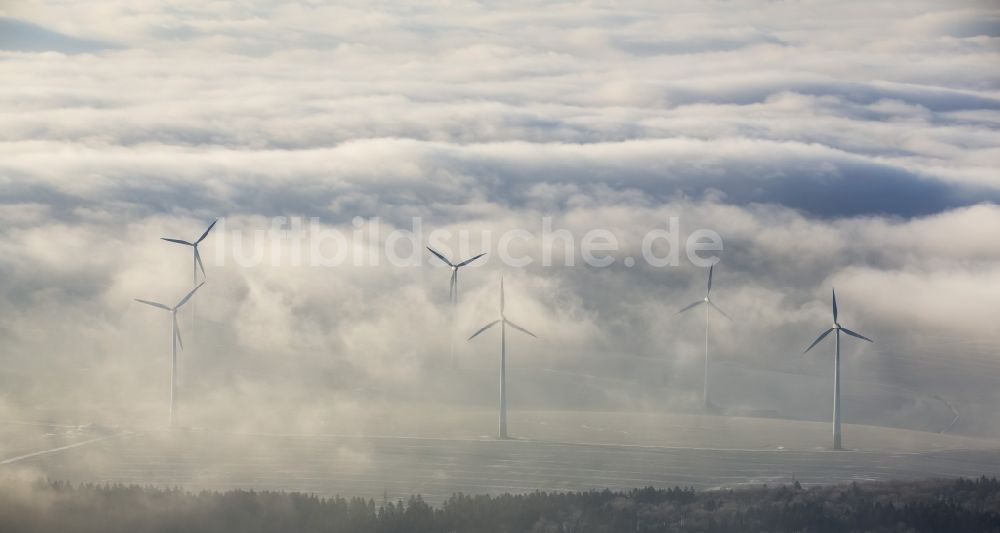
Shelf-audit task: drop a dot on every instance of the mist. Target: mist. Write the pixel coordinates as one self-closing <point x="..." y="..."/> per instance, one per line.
<point x="850" y="146"/>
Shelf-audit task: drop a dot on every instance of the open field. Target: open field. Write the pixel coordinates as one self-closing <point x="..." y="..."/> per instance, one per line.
<point x="554" y="451"/>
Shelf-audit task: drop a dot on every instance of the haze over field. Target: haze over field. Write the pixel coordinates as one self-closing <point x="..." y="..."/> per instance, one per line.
<point x="848" y="144"/>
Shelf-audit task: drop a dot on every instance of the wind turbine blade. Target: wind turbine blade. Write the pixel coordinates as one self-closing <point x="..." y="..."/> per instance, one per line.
<point x="197" y="259"/>
<point x="154" y="304"/>
<point x="834" y="305"/>
<point x="439" y="256"/>
<point x="467" y="261"/>
<point x="203" y="235"/>
<point x="501" y="294"/>
<point x="720" y="311"/>
<point x="821" y="337"/>
<point x="515" y="326"/>
<point x="710" y="269"/>
<point x="855" y="334"/>
<point x="484" y="328"/>
<point x="189" y="295"/>
<point x="692" y="306"/>
<point x="177" y="332"/>
<point x="178" y="241"/>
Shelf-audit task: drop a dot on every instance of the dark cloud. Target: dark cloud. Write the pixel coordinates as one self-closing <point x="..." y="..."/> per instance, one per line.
<point x="722" y="43"/>
<point x="750" y="91"/>
<point x="23" y="36"/>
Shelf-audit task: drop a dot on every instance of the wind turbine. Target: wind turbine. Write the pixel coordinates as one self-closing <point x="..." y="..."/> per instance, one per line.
<point x="175" y="340"/>
<point x="836" y="368"/>
<point x="503" y="358"/>
<point x="708" y="304"/>
<point x="196" y="261"/>
<point x="453" y="294"/>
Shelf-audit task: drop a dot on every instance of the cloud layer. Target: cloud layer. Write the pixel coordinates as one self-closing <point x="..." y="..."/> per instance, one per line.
<point x="850" y="144"/>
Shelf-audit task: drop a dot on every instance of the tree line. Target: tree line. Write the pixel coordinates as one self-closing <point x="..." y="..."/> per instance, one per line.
<point x="932" y="505"/>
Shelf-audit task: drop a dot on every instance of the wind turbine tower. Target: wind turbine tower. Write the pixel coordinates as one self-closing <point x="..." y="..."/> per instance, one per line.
<point x="175" y="340"/>
<point x="453" y="295"/>
<point x="707" y="301"/>
<point x="196" y="263"/>
<point x="836" y="368"/>
<point x="503" y="357"/>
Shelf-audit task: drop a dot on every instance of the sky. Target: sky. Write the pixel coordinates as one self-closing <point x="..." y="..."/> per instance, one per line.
<point x="852" y="145"/>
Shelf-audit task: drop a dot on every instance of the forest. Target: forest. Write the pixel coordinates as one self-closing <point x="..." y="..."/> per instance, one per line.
<point x="931" y="505"/>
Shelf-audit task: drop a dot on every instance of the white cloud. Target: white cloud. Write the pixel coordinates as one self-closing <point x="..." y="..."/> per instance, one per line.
<point x="853" y="144"/>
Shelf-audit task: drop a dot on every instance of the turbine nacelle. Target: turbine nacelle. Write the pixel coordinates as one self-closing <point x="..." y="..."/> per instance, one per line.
<point x="453" y="284"/>
<point x="501" y="319"/>
<point x="194" y="245"/>
<point x="836" y="327"/>
<point x="173" y="311"/>
<point x="454" y="266"/>
<point x="707" y="300"/>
